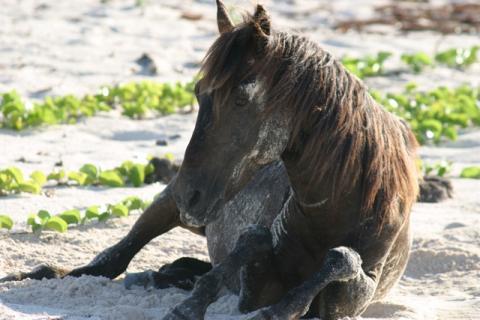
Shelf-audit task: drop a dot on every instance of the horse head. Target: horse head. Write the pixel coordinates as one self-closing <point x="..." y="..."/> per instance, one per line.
<point x="235" y="134"/>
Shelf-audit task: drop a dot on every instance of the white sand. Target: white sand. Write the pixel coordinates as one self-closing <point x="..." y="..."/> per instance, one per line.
<point x="76" y="46"/>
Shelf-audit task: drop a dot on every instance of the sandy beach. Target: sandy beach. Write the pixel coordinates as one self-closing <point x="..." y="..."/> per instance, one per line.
<point x="54" y="48"/>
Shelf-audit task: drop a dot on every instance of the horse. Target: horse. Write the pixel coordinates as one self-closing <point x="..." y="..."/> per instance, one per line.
<point x="301" y="183"/>
<point x="342" y="238"/>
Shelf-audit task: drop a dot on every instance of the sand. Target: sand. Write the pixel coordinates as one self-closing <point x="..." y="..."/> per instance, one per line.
<point x="53" y="47"/>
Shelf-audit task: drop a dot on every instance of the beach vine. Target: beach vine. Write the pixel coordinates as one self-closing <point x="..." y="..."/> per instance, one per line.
<point x="13" y="180"/>
<point x="135" y="99"/>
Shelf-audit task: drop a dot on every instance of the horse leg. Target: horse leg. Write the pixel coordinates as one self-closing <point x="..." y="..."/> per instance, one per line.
<point x="181" y="274"/>
<point x="160" y="217"/>
<point x="254" y="243"/>
<point x="260" y="285"/>
<point x="342" y="266"/>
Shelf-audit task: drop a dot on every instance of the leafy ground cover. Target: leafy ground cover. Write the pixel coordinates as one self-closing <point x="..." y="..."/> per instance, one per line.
<point x="438" y="168"/>
<point x="437" y="114"/>
<point x="375" y="65"/>
<point x="44" y="220"/>
<point x="135" y="99"/>
<point x="471" y="172"/>
<point x="12" y="179"/>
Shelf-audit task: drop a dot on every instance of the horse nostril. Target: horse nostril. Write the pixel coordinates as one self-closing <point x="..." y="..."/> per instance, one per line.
<point x="194" y="198"/>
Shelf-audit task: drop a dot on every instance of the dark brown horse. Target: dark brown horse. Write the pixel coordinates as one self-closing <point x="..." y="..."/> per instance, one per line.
<point x="300" y="181"/>
<point x="342" y="237"/>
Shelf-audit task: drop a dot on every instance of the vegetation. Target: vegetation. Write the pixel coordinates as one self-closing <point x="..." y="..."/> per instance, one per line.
<point x="367" y="66"/>
<point x="12" y="179"/>
<point x="471" y="172"/>
<point x="6" y="222"/>
<point x="136" y="99"/>
<point x="374" y="65"/>
<point x="44" y="220"/>
<point x="459" y="58"/>
<point x="437" y="114"/>
<point x="439" y="168"/>
<point x="417" y="61"/>
<point x="139" y="98"/>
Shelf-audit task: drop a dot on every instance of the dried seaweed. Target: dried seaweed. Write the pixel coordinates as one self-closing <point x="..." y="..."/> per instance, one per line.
<point x="407" y="16"/>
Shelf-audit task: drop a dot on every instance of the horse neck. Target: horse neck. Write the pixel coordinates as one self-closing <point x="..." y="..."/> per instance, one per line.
<point x="313" y="195"/>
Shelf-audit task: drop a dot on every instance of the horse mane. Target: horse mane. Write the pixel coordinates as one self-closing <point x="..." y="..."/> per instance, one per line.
<point x="344" y="137"/>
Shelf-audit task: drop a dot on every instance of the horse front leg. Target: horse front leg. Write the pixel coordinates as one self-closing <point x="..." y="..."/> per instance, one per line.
<point x="160" y="217"/>
<point x="342" y="267"/>
<point x="253" y="244"/>
<point x="181" y="273"/>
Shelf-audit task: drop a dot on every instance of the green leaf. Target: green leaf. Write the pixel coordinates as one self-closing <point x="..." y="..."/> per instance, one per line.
<point x="71" y="216"/>
<point x="6" y="222"/>
<point x="111" y="178"/>
<point x="442" y="171"/>
<point x="104" y="216"/>
<point x="32" y="221"/>
<point x="450" y="133"/>
<point x="92" y="212"/>
<point x="90" y="170"/>
<point x="39" y="177"/>
<point x="30" y="187"/>
<point x="149" y="169"/>
<point x="15" y="173"/>
<point x="56" y="224"/>
<point x="44" y="215"/>
<point x="137" y="175"/>
<point x="133" y="203"/>
<point x="57" y="176"/>
<point x="119" y="210"/>
<point x="78" y="177"/>
<point x="470" y="173"/>
<point x="125" y="168"/>
<point x="169" y="156"/>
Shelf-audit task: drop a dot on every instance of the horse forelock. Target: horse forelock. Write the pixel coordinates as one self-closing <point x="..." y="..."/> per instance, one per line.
<point x="342" y="134"/>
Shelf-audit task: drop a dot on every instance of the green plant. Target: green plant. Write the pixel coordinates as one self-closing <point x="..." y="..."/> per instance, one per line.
<point x="136" y="100"/>
<point x="437" y="114"/>
<point x="12" y="179"/>
<point x="439" y="168"/>
<point x="458" y="57"/>
<point x="367" y="66"/>
<point x="417" y="61"/>
<point x="44" y="220"/>
<point x="6" y="222"/>
<point x="471" y="172"/>
<point x="140" y="3"/>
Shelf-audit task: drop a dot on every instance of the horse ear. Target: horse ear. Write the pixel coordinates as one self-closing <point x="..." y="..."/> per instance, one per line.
<point x="224" y="22"/>
<point x="262" y="21"/>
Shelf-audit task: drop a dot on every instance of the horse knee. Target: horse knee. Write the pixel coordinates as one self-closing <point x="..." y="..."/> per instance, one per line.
<point x="345" y="263"/>
<point x="352" y="290"/>
<point x="346" y="299"/>
<point x="253" y="244"/>
<point x="254" y="235"/>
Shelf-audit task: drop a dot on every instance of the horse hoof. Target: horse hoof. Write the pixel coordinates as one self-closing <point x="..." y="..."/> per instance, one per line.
<point x="141" y="279"/>
<point x="10" y="277"/>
